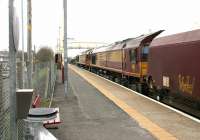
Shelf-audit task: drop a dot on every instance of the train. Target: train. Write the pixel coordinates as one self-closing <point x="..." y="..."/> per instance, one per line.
<point x="162" y="67"/>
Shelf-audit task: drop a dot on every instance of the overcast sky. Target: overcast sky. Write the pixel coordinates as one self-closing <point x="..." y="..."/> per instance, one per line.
<point x="107" y="20"/>
<point x="110" y="20"/>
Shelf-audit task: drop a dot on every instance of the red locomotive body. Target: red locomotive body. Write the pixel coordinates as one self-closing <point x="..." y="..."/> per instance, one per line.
<point x="174" y="64"/>
<point x="126" y="59"/>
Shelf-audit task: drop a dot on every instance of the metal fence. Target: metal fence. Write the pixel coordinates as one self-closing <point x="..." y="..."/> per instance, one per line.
<point x="44" y="78"/>
<point x="4" y="101"/>
<point x="43" y="81"/>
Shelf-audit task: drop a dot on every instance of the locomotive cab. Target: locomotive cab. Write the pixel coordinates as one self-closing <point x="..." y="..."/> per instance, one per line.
<point x="139" y="60"/>
<point x="135" y="56"/>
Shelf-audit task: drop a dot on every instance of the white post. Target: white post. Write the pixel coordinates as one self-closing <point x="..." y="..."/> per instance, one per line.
<point x="65" y="48"/>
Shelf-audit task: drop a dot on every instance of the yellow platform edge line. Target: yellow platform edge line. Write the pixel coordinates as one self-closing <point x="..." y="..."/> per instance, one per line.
<point x="143" y="121"/>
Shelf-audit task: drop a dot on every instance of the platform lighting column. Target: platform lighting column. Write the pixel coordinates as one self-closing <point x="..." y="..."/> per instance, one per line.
<point x="65" y="48"/>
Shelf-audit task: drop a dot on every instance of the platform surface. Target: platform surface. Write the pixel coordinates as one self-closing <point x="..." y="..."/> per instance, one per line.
<point x="86" y="114"/>
<point x="161" y="122"/>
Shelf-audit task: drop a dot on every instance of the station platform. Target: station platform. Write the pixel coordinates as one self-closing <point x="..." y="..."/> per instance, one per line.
<point x="99" y="109"/>
<point x="86" y="114"/>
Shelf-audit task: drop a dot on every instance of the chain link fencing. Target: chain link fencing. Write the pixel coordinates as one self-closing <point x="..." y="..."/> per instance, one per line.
<point x="4" y="100"/>
<point x="43" y="81"/>
<point x="44" y="78"/>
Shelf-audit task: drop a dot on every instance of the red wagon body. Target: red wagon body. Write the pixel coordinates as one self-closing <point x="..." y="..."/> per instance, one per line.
<point x="174" y="63"/>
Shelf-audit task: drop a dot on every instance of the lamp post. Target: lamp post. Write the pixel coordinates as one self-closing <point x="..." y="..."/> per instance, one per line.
<point x="65" y="48"/>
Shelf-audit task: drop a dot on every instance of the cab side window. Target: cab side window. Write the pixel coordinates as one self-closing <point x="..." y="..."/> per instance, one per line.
<point x="145" y="52"/>
<point x="132" y="54"/>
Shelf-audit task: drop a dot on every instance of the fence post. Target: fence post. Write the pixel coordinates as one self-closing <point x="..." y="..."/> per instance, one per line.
<point x="46" y="83"/>
<point x="1" y="98"/>
<point x="19" y="75"/>
<point x="50" y="77"/>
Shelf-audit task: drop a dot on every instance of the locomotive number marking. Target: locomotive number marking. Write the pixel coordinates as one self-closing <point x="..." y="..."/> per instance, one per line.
<point x="186" y="83"/>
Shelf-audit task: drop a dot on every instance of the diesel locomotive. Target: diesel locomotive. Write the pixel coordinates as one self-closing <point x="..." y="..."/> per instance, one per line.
<point x="164" y="67"/>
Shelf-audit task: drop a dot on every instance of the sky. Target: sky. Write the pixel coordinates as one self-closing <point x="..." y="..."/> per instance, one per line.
<point x="3" y="24"/>
<point x="110" y="20"/>
<point x="105" y="20"/>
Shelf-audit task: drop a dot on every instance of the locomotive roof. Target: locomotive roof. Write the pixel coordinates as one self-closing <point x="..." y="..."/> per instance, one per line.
<point x="134" y="42"/>
<point x="86" y="52"/>
<point x="100" y="49"/>
<point x="189" y="36"/>
<point x="128" y="43"/>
